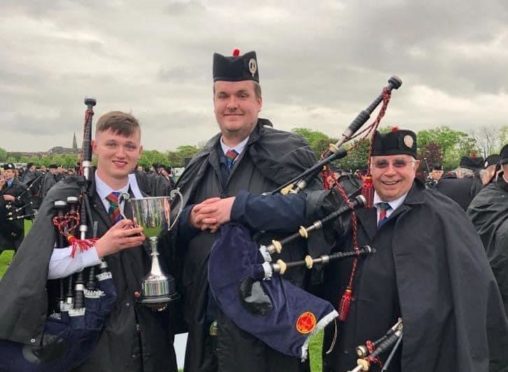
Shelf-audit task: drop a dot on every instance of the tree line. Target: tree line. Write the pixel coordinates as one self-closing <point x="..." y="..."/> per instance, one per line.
<point x="440" y="145"/>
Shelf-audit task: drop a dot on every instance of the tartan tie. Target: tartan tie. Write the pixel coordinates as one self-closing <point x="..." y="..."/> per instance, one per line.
<point x="114" y="208"/>
<point x="383" y="210"/>
<point x="230" y="158"/>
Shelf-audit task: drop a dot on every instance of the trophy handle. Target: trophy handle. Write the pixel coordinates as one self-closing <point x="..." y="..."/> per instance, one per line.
<point x="173" y="193"/>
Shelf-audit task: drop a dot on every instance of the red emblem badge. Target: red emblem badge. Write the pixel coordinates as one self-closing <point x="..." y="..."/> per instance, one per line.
<point x="306" y="322"/>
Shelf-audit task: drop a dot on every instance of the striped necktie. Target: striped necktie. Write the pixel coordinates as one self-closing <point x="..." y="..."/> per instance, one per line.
<point x="383" y="212"/>
<point x="230" y="158"/>
<point x="114" y="208"/>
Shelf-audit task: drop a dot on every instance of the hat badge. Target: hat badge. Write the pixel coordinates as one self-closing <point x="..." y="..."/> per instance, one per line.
<point x="408" y="141"/>
<point x="253" y="66"/>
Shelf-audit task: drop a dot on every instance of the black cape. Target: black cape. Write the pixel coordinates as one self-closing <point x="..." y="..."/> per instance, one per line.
<point x="435" y="275"/>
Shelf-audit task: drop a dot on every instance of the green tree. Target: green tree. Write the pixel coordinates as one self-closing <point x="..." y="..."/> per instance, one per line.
<point x="452" y="143"/>
<point x="357" y="155"/>
<point x="149" y="157"/>
<point x="3" y="154"/>
<point x="318" y="141"/>
<point x="177" y="158"/>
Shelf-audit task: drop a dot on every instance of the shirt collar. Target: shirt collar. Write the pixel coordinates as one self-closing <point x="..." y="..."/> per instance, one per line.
<point x="238" y="148"/>
<point x="103" y="190"/>
<point x="394" y="204"/>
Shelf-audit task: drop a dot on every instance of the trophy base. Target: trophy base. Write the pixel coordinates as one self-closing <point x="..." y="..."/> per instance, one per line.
<point x="159" y="303"/>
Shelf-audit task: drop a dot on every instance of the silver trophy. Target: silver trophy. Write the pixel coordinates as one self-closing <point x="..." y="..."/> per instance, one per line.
<point x="153" y="214"/>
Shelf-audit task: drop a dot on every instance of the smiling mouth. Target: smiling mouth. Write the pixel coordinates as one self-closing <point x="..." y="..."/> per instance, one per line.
<point x="390" y="183"/>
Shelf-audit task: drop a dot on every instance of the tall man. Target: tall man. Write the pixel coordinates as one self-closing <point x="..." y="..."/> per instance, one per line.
<point x="429" y="269"/>
<point x="249" y="155"/>
<point x="135" y="338"/>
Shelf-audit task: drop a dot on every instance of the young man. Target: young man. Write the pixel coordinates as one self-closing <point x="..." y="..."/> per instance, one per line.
<point x="134" y="338"/>
<point x="247" y="154"/>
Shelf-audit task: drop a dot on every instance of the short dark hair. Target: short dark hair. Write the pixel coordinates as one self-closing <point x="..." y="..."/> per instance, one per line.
<point x="119" y="122"/>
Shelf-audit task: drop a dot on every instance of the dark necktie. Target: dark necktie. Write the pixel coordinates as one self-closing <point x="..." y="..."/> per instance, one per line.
<point x="230" y="158"/>
<point x="383" y="212"/>
<point x="114" y="207"/>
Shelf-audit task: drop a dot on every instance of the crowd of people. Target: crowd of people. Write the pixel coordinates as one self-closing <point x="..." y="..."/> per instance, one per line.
<point x="430" y="295"/>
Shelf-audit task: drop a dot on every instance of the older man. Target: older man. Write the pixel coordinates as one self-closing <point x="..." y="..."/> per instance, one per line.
<point x="429" y="269"/>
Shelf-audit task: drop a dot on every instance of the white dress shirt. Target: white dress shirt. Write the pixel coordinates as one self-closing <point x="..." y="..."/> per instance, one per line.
<point x="394" y="204"/>
<point x="238" y="148"/>
<point x="62" y="264"/>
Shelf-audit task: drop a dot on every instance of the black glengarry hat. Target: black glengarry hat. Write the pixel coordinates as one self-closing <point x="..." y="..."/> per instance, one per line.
<point x="472" y="162"/>
<point x="9" y="166"/>
<point x="395" y="142"/>
<point x="492" y="159"/>
<point x="236" y="67"/>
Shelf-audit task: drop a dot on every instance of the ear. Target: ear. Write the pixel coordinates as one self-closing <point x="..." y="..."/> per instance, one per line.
<point x="94" y="146"/>
<point x="417" y="164"/>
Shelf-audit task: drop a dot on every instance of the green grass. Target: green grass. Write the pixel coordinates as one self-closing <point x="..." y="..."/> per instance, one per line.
<point x="6" y="256"/>
<point x="5" y="259"/>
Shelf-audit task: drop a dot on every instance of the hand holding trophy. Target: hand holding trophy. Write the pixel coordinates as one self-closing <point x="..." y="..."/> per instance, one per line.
<point x="153" y="214"/>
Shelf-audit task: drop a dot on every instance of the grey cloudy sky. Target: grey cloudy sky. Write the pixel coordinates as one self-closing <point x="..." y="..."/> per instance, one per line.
<point x="320" y="63"/>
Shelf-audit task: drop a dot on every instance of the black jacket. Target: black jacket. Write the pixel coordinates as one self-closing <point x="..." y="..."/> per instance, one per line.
<point x="271" y="158"/>
<point x="489" y="213"/>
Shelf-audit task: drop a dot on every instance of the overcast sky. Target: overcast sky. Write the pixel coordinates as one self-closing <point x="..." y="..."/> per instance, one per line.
<point x="320" y="63"/>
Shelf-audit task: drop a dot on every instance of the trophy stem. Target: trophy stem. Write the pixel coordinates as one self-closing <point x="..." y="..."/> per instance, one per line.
<point x="156" y="269"/>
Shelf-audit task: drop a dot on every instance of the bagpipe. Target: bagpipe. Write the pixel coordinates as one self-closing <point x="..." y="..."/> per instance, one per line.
<point x="26" y="199"/>
<point x="246" y="282"/>
<point x="368" y="354"/>
<point x="78" y="304"/>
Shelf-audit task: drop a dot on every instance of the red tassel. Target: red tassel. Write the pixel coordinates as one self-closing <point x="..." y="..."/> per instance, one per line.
<point x="236" y="52"/>
<point x="82" y="245"/>
<point x="328" y="178"/>
<point x="368" y="190"/>
<point x="345" y="303"/>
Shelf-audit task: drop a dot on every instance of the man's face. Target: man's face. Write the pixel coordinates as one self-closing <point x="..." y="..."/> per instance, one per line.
<point x="436" y="174"/>
<point x="117" y="155"/>
<point x="236" y="107"/>
<point x="393" y="175"/>
<point x="9" y="174"/>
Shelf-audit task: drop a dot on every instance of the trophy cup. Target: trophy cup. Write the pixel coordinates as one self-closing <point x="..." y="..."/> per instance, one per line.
<point x="153" y="214"/>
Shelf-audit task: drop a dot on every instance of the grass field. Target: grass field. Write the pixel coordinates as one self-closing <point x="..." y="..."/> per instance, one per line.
<point x="315" y="345"/>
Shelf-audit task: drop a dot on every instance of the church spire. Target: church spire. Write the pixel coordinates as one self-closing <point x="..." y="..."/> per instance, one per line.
<point x="74" y="142"/>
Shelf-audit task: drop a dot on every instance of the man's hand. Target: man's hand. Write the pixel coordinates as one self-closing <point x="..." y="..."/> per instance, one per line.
<point x="9" y="198"/>
<point x="123" y="235"/>
<point x="211" y="213"/>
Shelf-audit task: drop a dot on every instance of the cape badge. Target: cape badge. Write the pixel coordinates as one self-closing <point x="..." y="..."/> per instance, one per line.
<point x="306" y="322"/>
